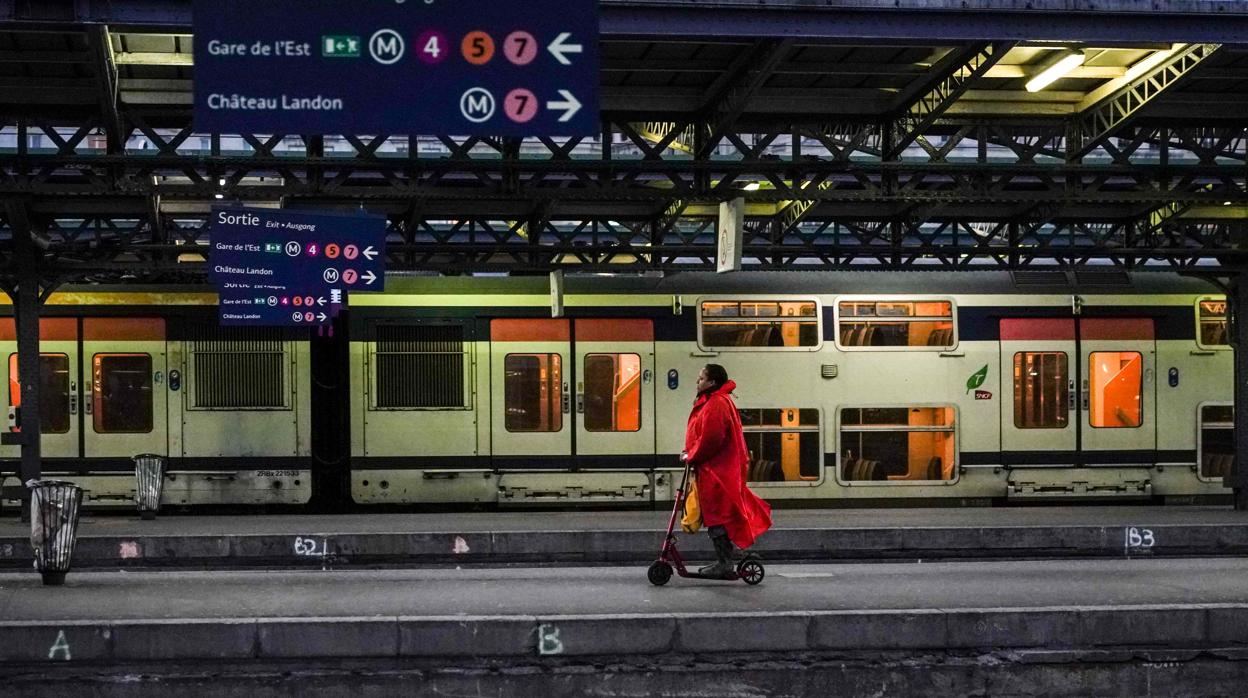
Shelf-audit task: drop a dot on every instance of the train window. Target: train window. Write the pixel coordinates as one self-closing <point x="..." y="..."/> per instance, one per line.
<point x="1116" y="389"/>
<point x="1217" y="440"/>
<point x="121" y="386"/>
<point x="869" y="323"/>
<point x="783" y="444"/>
<point x="1211" y="316"/>
<point x="233" y="368"/>
<point x="897" y="444"/>
<point x="1041" y="390"/>
<point x="53" y="392"/>
<point x="776" y="324"/>
<point x="531" y="392"/>
<point x="612" y="396"/>
<point x="420" y="367"/>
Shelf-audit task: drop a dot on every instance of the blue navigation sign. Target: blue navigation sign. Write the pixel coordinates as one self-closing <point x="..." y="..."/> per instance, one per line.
<point x="275" y="267"/>
<point x="470" y="67"/>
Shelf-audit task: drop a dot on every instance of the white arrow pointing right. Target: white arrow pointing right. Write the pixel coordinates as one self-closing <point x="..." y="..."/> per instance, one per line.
<point x="369" y="252"/>
<point x="369" y="277"/>
<point x="321" y="317"/>
<point x="569" y="104"/>
<point x="559" y="49"/>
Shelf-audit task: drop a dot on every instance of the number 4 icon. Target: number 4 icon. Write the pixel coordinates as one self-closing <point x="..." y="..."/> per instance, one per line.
<point x="431" y="47"/>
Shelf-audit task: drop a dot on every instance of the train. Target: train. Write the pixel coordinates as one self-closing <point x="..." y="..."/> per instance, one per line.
<point x="871" y="388"/>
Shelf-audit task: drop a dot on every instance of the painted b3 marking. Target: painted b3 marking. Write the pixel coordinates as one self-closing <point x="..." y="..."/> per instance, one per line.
<point x="1139" y="538"/>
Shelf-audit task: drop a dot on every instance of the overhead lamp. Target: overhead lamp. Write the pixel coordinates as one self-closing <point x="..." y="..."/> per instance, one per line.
<point x="752" y="186"/>
<point x="1057" y="69"/>
<point x="1152" y="61"/>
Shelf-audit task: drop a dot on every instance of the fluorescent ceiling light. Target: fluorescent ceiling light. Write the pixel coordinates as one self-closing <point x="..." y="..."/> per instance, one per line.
<point x="752" y="186"/>
<point x="1058" y="69"/>
<point x="1152" y="61"/>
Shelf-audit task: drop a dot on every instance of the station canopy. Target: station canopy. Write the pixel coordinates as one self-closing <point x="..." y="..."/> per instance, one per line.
<point x="861" y="134"/>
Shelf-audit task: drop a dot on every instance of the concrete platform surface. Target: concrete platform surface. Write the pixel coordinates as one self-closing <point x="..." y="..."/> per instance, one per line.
<point x="109" y="540"/>
<point x="157" y="616"/>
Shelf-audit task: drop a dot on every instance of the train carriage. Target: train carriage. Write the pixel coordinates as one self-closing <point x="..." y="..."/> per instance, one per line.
<point x="129" y="372"/>
<point x="872" y="388"/>
<point x="863" y="386"/>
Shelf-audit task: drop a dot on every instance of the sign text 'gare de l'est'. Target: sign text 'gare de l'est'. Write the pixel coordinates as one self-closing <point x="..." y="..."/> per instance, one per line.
<point x="467" y="67"/>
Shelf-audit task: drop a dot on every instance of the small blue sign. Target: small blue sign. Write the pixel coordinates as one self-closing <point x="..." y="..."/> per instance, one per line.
<point x="274" y="267"/>
<point x="480" y="67"/>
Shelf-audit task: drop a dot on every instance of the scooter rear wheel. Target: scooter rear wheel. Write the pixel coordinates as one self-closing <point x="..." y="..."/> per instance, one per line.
<point x="659" y="573"/>
<point x="751" y="571"/>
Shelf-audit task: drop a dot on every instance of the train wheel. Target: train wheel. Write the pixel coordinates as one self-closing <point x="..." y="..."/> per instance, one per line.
<point x="659" y="573"/>
<point x="751" y="571"/>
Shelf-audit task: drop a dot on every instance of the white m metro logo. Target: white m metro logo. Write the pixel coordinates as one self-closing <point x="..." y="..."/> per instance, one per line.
<point x="477" y="105"/>
<point x="386" y="46"/>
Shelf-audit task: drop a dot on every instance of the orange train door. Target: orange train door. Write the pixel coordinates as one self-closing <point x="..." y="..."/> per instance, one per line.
<point x="124" y="397"/>
<point x="614" y="392"/>
<point x="530" y="392"/>
<point x="1117" y="391"/>
<point x="1078" y="391"/>
<point x="59" y="387"/>
<point x="571" y="393"/>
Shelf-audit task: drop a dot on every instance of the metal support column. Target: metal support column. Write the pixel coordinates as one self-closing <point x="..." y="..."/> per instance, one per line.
<point x="1238" y="478"/>
<point x="26" y="305"/>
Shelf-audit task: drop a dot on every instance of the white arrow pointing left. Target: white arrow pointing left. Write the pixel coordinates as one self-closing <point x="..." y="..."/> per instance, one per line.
<point x="559" y="49"/>
<point x="369" y="252"/>
<point x="570" y="105"/>
<point x="320" y="301"/>
<point x="369" y="277"/>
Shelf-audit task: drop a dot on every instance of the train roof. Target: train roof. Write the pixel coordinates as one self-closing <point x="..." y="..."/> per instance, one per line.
<point x="786" y="282"/>
<point x="777" y="282"/>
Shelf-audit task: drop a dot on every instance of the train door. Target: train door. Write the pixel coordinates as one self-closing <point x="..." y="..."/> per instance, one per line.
<point x="530" y="386"/>
<point x="1117" y="393"/>
<point x="614" y="392"/>
<point x="58" y="389"/>
<point x="1078" y="391"/>
<point x="1039" y="422"/>
<point x="124" y="396"/>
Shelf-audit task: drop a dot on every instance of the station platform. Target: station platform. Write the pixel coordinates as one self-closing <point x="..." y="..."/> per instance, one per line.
<point x="1004" y="614"/>
<point x="633" y="537"/>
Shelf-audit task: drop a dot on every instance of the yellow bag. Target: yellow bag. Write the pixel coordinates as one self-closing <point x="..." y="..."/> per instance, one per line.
<point x="692" y="520"/>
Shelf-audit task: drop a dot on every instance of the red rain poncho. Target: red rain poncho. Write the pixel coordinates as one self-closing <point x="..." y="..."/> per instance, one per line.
<point x="716" y="447"/>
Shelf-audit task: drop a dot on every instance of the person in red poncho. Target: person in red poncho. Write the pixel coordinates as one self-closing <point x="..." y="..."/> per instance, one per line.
<point x="715" y="445"/>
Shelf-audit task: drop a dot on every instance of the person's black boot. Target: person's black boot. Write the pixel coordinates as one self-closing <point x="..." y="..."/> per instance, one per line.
<point x="723" y="567"/>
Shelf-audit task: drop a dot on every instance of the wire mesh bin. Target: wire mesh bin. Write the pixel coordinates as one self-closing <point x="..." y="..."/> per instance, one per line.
<point x="54" y="508"/>
<point x="149" y="483"/>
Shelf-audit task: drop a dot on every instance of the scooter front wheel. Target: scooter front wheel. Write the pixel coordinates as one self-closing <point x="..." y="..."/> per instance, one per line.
<point x="751" y="571"/>
<point x="659" y="573"/>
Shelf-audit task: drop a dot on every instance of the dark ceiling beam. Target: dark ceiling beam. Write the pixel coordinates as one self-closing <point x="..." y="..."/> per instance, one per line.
<point x="949" y="20"/>
<point x="107" y="85"/>
<point x="726" y="104"/>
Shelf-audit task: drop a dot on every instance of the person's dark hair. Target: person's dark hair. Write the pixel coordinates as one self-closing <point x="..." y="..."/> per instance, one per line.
<point x="717" y="374"/>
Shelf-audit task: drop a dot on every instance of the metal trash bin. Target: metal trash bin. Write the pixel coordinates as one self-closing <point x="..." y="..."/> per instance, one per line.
<point x="149" y="483"/>
<point x="54" y="508"/>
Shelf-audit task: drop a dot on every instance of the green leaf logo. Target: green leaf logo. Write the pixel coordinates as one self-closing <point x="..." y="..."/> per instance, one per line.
<point x="977" y="379"/>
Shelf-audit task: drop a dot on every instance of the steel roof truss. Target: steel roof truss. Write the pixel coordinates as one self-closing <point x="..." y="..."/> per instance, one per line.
<point x="922" y="104"/>
<point x="1103" y="117"/>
